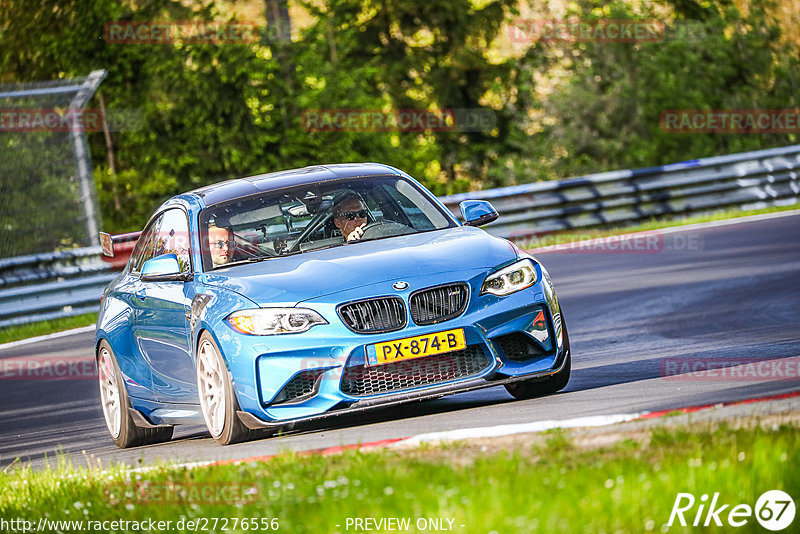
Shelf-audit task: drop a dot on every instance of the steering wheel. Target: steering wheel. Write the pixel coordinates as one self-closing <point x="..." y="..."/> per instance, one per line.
<point x="383" y="228"/>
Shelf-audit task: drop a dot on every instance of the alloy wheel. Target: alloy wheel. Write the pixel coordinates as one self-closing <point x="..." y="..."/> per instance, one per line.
<point x="109" y="393"/>
<point x="212" y="388"/>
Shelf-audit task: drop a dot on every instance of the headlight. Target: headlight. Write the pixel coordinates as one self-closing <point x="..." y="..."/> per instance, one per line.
<point x="511" y="279"/>
<point x="271" y="321"/>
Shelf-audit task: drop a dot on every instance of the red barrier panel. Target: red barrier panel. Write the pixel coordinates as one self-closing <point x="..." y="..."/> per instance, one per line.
<point x="123" y="247"/>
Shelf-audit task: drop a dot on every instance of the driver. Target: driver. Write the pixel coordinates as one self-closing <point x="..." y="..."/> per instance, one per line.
<point x="219" y="243"/>
<point x="350" y="217"/>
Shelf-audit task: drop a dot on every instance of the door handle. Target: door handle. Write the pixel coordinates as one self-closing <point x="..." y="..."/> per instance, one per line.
<point x="140" y="294"/>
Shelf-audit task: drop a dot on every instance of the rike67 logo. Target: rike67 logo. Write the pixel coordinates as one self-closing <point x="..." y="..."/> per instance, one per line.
<point x="774" y="510"/>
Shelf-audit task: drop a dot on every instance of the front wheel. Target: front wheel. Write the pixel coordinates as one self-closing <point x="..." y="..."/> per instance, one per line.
<point x="116" y="405"/>
<point x="538" y="387"/>
<point x="217" y="398"/>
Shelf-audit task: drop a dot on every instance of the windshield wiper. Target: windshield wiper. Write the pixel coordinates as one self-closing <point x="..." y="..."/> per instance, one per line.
<point x="254" y="259"/>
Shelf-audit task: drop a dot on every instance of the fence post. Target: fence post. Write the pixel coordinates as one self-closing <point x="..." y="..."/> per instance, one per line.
<point x="78" y="134"/>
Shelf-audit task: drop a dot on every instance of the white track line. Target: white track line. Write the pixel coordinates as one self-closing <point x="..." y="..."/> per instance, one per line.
<point x="522" y="428"/>
<point x="46" y="337"/>
<point x="668" y="230"/>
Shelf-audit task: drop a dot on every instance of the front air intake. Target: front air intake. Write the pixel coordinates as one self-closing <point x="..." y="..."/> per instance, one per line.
<point x="438" y="304"/>
<point x="374" y="316"/>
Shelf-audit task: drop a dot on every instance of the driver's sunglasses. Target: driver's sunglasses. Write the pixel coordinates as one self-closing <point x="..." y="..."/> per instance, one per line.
<point x="353" y="215"/>
<point x="220" y="244"/>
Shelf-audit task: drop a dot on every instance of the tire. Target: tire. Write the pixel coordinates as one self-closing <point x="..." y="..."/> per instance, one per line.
<point x="217" y="399"/>
<point x="116" y="405"/>
<point x="538" y="387"/>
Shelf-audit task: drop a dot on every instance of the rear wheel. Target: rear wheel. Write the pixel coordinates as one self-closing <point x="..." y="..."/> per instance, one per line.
<point x="116" y="405"/>
<point x="217" y="398"/>
<point x="537" y="387"/>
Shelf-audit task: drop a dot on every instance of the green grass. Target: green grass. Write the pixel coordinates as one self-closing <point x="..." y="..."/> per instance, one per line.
<point x="40" y="328"/>
<point x="551" y="486"/>
<point x="655" y="223"/>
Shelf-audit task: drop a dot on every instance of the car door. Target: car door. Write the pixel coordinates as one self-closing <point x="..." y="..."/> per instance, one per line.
<point x="161" y="324"/>
<point x="133" y="362"/>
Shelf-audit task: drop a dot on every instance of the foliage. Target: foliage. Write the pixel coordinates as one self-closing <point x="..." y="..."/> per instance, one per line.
<point x="211" y="112"/>
<point x="607" y="112"/>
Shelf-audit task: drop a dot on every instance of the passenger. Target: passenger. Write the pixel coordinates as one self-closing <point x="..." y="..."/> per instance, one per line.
<point x="219" y="244"/>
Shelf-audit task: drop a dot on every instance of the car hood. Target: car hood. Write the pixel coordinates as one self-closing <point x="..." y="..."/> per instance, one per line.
<point x="287" y="281"/>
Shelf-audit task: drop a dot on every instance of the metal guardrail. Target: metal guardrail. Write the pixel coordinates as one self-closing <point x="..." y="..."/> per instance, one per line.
<point x="747" y="180"/>
<point x="51" y="285"/>
<point x="59" y="284"/>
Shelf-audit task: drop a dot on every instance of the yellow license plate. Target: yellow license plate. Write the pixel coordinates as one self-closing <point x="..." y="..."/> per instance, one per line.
<point x="416" y="347"/>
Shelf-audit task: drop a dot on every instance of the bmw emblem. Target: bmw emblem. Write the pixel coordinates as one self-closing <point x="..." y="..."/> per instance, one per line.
<point x="400" y="285"/>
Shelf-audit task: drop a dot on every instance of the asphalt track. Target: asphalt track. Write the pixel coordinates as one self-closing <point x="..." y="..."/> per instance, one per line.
<point x="730" y="293"/>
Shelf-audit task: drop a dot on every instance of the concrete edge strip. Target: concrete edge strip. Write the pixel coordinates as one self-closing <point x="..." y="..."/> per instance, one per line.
<point x="54" y="335"/>
<point x="477" y="432"/>
<point x="263" y="458"/>
<point x="668" y="230"/>
<point x="522" y="428"/>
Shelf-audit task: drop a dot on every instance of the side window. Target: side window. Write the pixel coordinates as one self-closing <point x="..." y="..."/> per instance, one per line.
<point x="173" y="237"/>
<point x="410" y="201"/>
<point x="169" y="233"/>
<point x="144" y="246"/>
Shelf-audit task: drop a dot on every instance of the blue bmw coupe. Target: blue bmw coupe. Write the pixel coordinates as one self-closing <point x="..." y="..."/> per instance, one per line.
<point x="260" y="302"/>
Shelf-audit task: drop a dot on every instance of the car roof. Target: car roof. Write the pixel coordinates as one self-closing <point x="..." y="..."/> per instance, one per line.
<point x="239" y="187"/>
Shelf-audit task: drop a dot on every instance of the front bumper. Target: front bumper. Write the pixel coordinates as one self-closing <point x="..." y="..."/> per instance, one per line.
<point x="264" y="367"/>
<point x="432" y="392"/>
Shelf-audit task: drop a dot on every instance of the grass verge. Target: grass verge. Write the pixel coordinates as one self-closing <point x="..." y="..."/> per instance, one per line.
<point x="570" y="236"/>
<point x="40" y="328"/>
<point x="548" y="485"/>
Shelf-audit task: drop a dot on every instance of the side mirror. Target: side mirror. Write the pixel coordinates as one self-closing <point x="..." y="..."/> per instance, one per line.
<point x="164" y="268"/>
<point x="478" y="212"/>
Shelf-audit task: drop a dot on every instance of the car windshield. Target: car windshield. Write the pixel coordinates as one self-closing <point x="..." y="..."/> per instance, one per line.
<point x="313" y="217"/>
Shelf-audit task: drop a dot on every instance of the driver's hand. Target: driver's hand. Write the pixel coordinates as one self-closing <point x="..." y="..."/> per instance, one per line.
<point x="356" y="234"/>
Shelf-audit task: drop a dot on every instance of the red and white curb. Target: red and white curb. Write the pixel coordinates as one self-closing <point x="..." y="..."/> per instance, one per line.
<point x="692" y="409"/>
<point x="495" y="431"/>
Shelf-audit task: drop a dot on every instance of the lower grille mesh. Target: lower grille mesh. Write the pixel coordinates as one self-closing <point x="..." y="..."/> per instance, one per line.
<point x="362" y="381"/>
<point x="517" y="347"/>
<point x="300" y="385"/>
